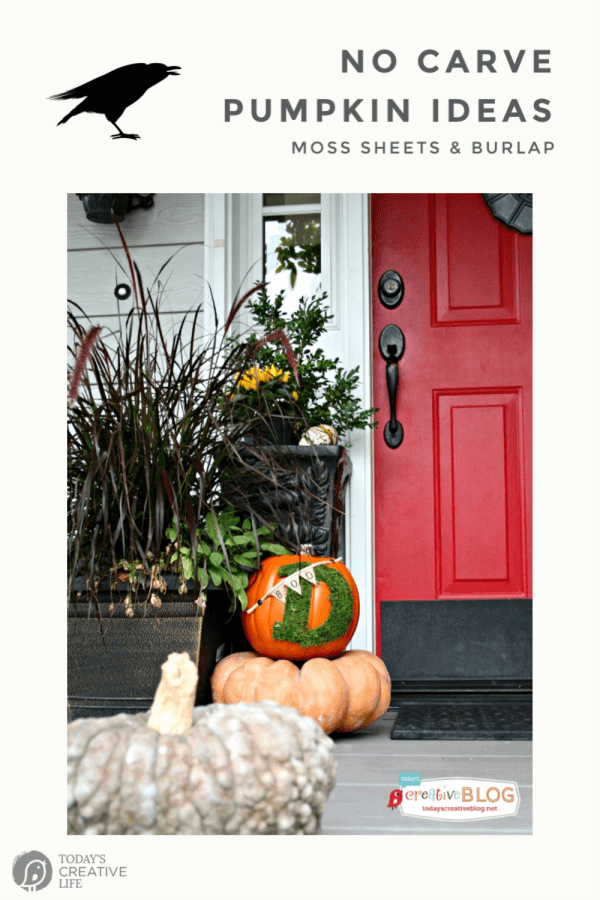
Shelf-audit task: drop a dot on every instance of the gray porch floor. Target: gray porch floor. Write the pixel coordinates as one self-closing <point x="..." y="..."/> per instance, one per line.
<point x="369" y="764"/>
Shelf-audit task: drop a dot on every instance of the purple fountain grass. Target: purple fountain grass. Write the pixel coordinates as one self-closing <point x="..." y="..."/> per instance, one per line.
<point x="129" y="260"/>
<point x="280" y="335"/>
<point x="81" y="362"/>
<point x="238" y="303"/>
<point x="154" y="441"/>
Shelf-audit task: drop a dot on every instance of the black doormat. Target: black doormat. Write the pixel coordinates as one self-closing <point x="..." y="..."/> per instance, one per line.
<point x="432" y="714"/>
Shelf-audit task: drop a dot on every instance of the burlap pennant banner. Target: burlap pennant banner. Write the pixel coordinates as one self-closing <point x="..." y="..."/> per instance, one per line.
<point x="293" y="582"/>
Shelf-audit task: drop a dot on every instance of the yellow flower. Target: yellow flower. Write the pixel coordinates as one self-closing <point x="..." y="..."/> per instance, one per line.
<point x="271" y="372"/>
<point x="250" y="379"/>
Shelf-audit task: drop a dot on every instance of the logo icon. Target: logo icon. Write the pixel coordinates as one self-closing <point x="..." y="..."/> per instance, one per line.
<point x="111" y="94"/>
<point x="32" y="871"/>
<point x="395" y="798"/>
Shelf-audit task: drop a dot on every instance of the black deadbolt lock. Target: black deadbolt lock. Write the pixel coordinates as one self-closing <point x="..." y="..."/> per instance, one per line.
<point x="390" y="289"/>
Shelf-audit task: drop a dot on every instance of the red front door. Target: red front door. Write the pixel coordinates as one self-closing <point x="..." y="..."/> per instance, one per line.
<point x="453" y="500"/>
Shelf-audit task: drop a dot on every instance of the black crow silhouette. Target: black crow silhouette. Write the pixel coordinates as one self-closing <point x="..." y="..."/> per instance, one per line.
<point x="112" y="93"/>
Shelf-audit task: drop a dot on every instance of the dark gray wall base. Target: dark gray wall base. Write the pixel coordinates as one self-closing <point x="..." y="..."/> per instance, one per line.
<point x="449" y="640"/>
<point x="454" y="688"/>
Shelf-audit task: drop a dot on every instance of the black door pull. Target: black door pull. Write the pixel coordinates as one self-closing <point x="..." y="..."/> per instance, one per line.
<point x="391" y="347"/>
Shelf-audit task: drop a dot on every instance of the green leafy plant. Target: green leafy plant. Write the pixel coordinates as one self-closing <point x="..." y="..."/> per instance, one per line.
<point x="326" y="394"/>
<point x="227" y="552"/>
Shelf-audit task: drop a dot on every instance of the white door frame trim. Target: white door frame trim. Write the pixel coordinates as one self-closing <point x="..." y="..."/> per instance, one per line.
<point x="233" y="251"/>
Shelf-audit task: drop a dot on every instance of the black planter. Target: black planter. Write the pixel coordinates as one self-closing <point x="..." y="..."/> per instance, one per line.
<point x="121" y="672"/>
<point x="276" y="430"/>
<point x="306" y="497"/>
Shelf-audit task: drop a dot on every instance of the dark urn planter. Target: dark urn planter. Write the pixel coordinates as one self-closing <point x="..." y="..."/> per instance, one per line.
<point x="277" y="430"/>
<point x="121" y="672"/>
<point x="306" y="497"/>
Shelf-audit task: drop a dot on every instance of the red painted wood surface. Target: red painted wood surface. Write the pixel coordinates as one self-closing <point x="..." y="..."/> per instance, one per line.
<point x="453" y="502"/>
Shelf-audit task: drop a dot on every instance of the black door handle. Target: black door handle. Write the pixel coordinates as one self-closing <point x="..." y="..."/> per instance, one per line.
<point x="391" y="347"/>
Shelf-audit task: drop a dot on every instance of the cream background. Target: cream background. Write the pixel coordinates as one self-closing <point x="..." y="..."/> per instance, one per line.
<point x="273" y="49"/>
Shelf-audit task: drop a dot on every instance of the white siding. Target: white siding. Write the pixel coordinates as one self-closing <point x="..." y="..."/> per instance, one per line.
<point x="97" y="262"/>
<point x="174" y="219"/>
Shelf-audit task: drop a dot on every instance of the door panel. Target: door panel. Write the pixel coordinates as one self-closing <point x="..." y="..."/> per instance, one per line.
<point x="479" y="483"/>
<point x="476" y="279"/>
<point x="453" y="501"/>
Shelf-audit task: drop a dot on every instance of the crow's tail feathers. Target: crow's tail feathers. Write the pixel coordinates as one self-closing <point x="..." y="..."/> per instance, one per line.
<point x="66" y="118"/>
<point x="74" y="94"/>
<point x="78" y="109"/>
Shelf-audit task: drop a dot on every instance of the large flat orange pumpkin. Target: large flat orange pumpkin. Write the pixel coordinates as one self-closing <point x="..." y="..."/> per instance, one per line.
<point x="343" y="694"/>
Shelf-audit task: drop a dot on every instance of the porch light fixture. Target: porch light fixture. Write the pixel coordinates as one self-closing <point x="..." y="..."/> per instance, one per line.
<point x="100" y="207"/>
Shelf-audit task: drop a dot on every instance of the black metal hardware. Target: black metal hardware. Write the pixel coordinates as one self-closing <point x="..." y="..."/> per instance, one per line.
<point x="99" y="208"/>
<point x="390" y="289"/>
<point x="391" y="347"/>
<point x="122" y="292"/>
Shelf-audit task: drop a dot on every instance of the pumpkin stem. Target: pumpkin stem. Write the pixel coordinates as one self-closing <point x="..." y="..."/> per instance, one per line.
<point x="171" y="711"/>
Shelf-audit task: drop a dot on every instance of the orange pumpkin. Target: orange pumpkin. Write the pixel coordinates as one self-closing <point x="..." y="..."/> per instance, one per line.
<point x="300" y="607"/>
<point x="343" y="694"/>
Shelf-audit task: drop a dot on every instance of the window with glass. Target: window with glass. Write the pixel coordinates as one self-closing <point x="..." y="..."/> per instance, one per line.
<point x="292" y="245"/>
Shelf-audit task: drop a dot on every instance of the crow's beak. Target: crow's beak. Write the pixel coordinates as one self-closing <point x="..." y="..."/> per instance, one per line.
<point x="173" y="67"/>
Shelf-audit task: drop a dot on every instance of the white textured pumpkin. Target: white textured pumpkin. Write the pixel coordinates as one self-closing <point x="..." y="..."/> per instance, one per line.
<point x="319" y="435"/>
<point x="246" y="768"/>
